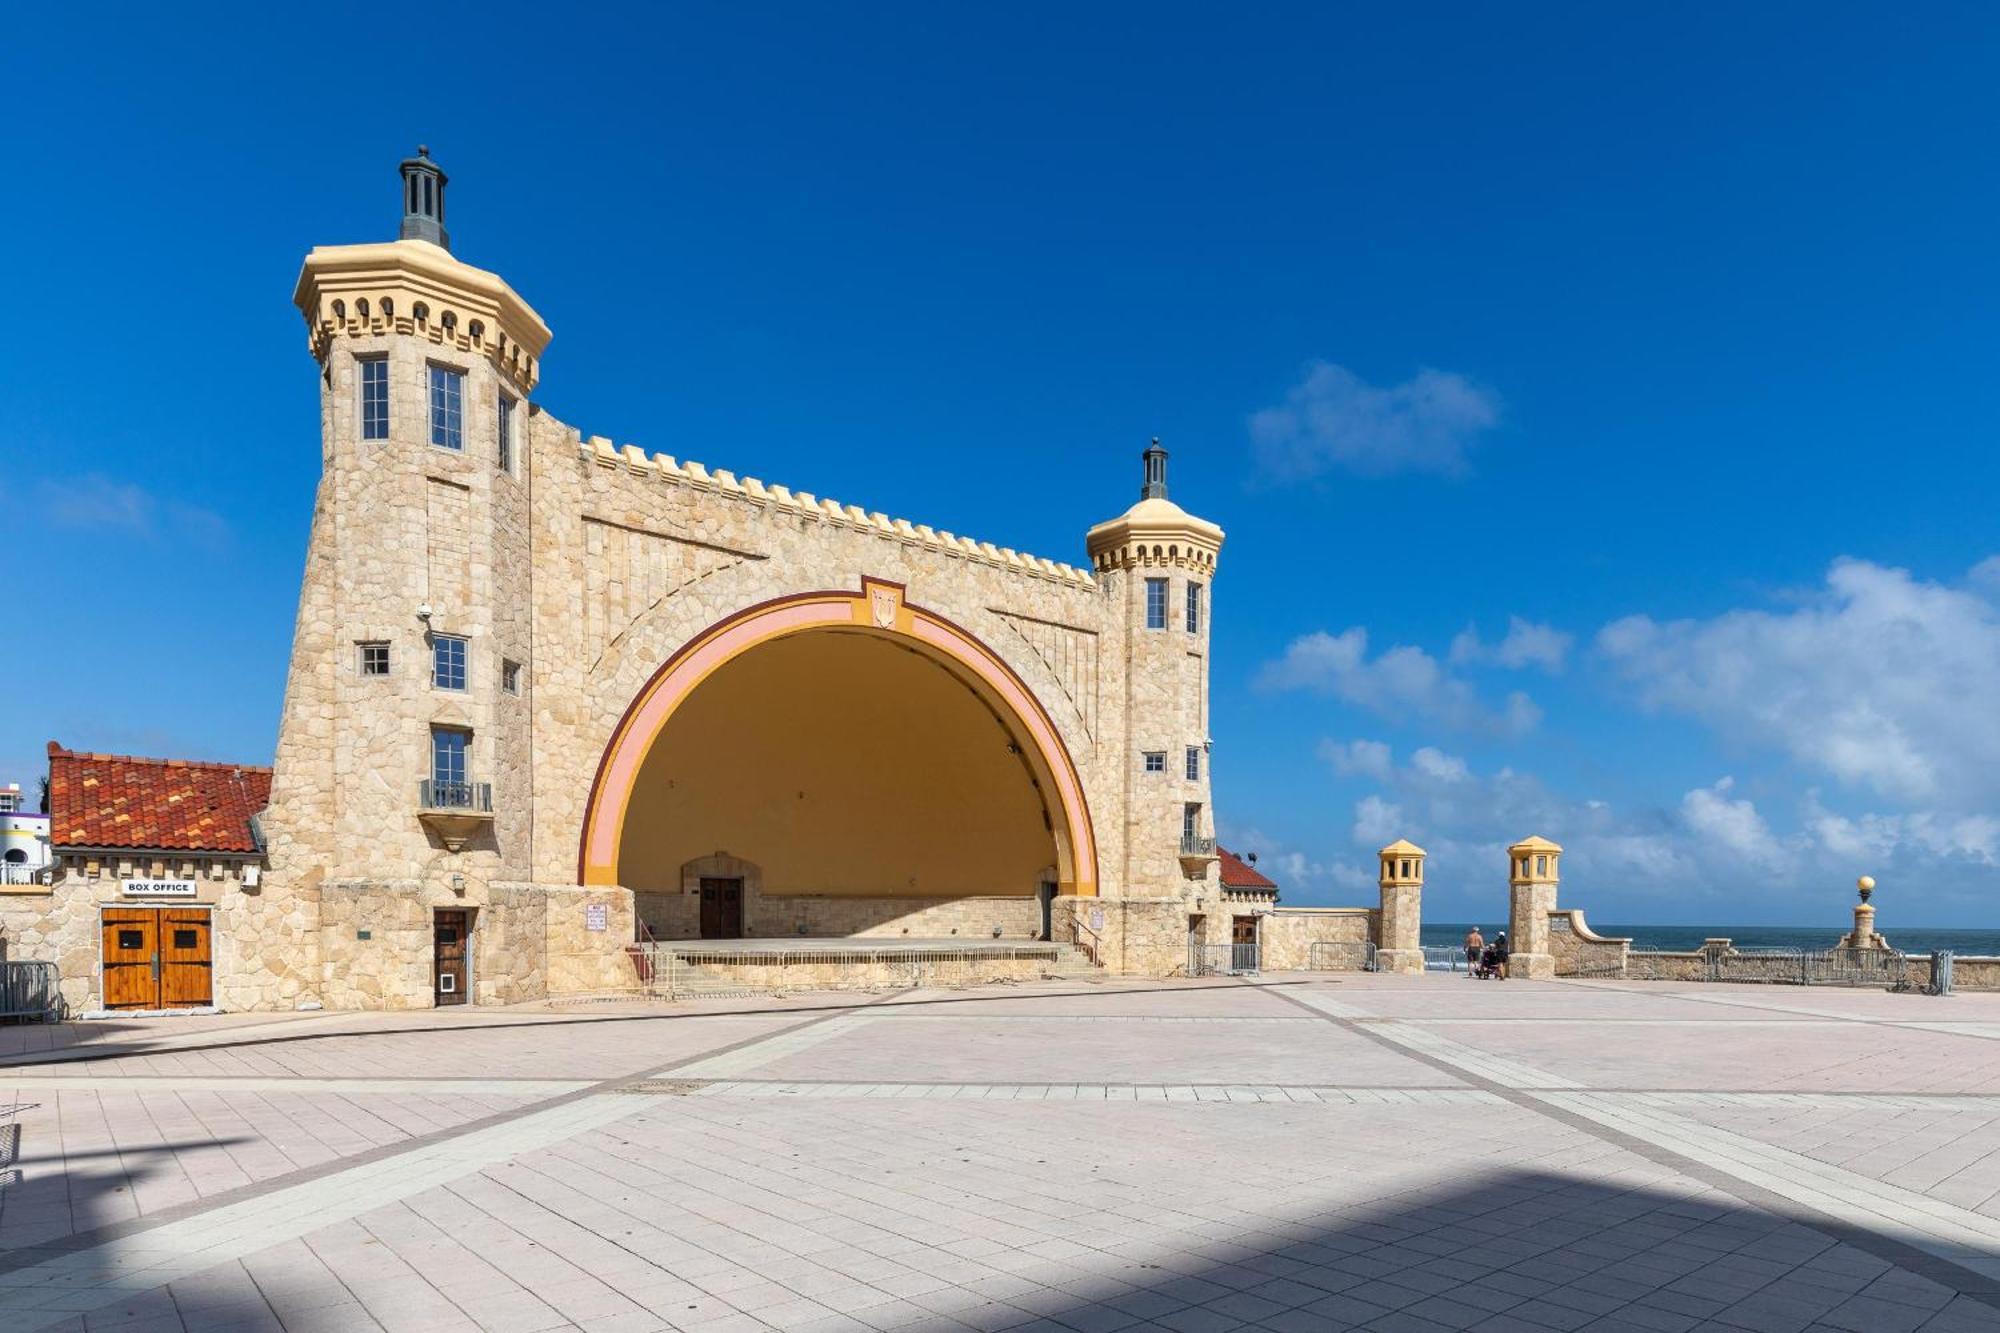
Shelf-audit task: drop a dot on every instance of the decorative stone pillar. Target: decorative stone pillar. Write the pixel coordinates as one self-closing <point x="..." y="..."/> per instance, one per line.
<point x="1532" y="876"/>
<point x="1399" y="936"/>
<point x="1863" y="936"/>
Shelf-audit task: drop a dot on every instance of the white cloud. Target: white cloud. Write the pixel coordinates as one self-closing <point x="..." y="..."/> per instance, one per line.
<point x="1364" y="758"/>
<point x="1401" y="683"/>
<point x="1527" y="644"/>
<point x="1335" y="419"/>
<point x="96" y="503"/>
<point x="1880" y="679"/>
<point x="1376" y="822"/>
<point x="1730" y="825"/>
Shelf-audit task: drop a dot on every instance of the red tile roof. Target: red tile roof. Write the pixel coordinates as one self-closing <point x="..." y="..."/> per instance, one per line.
<point x="1237" y="874"/>
<point x="169" y="805"/>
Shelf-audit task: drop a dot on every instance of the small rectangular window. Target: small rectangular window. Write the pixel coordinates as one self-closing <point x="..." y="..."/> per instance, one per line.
<point x="506" y="427"/>
<point x="375" y="398"/>
<point x="1156" y="761"/>
<point x="1194" y="608"/>
<point x="131" y="939"/>
<point x="448" y="662"/>
<point x="1191" y="821"/>
<point x="448" y="766"/>
<point x="510" y="677"/>
<point x="185" y="939"/>
<point x="1156" y="603"/>
<point x="1194" y="763"/>
<point x="374" y="659"/>
<point x="447" y="407"/>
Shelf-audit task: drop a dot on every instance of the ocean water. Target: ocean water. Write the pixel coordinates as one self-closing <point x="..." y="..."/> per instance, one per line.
<point x="1913" y="939"/>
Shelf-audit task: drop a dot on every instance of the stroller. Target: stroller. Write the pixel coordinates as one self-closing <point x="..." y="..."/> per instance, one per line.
<point x="1491" y="958"/>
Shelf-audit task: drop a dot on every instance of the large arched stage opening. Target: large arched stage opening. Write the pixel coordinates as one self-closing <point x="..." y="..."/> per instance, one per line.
<point x="850" y="744"/>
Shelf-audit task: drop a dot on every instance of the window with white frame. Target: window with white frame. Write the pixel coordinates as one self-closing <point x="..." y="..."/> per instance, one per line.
<point x="506" y="427"/>
<point x="374" y="658"/>
<point x="449" y="748"/>
<point x="1194" y="763"/>
<point x="374" y="397"/>
<point x="1193" y="607"/>
<point x="510" y="677"/>
<point x="1156" y="603"/>
<point x="1156" y="761"/>
<point x="447" y="407"/>
<point x="448" y="653"/>
<point x="1190" y="821"/>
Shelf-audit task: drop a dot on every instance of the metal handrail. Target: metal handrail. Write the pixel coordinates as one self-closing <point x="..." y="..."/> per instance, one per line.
<point x="1192" y="845"/>
<point x="13" y="872"/>
<point x="476" y="797"/>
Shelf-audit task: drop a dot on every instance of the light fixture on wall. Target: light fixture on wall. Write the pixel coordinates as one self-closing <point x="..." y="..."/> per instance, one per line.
<point x="458" y="885"/>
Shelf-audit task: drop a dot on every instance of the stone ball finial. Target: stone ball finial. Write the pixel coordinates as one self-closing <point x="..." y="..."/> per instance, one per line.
<point x="423" y="150"/>
<point x="1867" y="886"/>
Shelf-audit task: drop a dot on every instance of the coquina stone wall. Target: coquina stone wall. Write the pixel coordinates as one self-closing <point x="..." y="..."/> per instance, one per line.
<point x="587" y="566"/>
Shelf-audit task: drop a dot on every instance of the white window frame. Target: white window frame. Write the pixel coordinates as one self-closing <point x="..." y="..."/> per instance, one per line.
<point x="438" y="641"/>
<point x="1154" y="761"/>
<point x="1156" y="586"/>
<point x="444" y="396"/>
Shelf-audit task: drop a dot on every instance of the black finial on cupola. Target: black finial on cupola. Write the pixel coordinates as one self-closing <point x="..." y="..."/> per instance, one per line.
<point x="423" y="200"/>
<point x="1156" y="472"/>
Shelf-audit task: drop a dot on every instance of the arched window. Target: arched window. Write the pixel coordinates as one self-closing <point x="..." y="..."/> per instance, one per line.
<point x="420" y="312"/>
<point x="16" y="857"/>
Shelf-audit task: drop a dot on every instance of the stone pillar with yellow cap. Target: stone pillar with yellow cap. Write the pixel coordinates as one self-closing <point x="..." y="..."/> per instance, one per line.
<point x="1863" y="935"/>
<point x="1532" y="876"/>
<point x="1399" y="934"/>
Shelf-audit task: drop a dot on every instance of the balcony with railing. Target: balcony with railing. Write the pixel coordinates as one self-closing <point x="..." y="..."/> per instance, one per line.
<point x="13" y="874"/>
<point x="455" y="811"/>
<point x="1196" y="852"/>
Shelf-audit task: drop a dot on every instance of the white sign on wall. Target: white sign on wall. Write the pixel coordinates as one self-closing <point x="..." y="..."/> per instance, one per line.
<point x="158" y="888"/>
<point x="596" y="916"/>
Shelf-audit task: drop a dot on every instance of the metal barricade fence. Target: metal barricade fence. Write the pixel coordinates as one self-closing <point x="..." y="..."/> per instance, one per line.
<point x="1340" y="956"/>
<point x="1442" y="958"/>
<point x="1814" y="967"/>
<point x="1216" y="960"/>
<point x="1940" y="973"/>
<point x="667" y="973"/>
<point x="31" y="990"/>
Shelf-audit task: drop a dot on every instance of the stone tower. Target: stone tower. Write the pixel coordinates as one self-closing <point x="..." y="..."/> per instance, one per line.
<point x="404" y="742"/>
<point x="1156" y="563"/>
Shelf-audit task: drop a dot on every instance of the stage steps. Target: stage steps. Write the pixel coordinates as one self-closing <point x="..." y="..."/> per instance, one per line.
<point x="717" y="969"/>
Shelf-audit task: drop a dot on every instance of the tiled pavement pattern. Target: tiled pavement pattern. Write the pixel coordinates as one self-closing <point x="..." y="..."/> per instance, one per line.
<point x="1357" y="1152"/>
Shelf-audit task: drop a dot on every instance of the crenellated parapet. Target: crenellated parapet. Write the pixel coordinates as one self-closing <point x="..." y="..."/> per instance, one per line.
<point x="780" y="499"/>
<point x="415" y="288"/>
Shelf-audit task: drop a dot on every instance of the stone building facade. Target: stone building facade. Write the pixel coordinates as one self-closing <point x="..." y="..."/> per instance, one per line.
<point x="548" y="694"/>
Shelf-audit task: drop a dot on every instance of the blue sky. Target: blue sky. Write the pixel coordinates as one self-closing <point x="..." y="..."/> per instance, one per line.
<point x="1600" y="402"/>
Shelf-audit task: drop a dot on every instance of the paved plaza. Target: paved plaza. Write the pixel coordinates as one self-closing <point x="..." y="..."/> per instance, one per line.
<point x="1288" y="1154"/>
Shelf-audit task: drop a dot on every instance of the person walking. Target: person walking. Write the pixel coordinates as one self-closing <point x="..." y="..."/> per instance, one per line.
<point x="1474" y="942"/>
<point x="1500" y="955"/>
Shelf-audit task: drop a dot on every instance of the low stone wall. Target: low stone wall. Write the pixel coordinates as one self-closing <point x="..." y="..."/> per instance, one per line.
<point x="1645" y="965"/>
<point x="677" y="916"/>
<point x="867" y="974"/>
<point x="1288" y="934"/>
<point x="1579" y="951"/>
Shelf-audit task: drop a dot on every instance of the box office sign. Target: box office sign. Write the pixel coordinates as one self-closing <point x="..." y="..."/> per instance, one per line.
<point x="157" y="888"/>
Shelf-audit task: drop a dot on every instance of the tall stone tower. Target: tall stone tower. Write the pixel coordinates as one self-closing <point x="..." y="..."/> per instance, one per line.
<point x="403" y="747"/>
<point x="1156" y="562"/>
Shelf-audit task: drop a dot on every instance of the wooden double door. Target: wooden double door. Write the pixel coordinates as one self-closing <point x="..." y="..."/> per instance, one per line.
<point x="721" y="909"/>
<point x="158" y="958"/>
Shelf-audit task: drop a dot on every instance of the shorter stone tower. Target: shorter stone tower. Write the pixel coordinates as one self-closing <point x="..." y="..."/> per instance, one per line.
<point x="1399" y="944"/>
<point x="1532" y="876"/>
